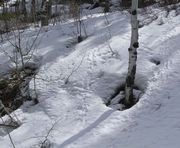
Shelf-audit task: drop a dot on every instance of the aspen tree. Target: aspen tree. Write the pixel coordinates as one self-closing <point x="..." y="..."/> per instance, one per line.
<point x="129" y="99"/>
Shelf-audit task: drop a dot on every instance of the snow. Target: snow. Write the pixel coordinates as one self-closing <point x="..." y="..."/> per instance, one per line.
<point x="77" y="110"/>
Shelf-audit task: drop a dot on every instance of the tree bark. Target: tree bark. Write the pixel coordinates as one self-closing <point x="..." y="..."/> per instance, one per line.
<point x="43" y="4"/>
<point x="24" y="11"/>
<point x="33" y="10"/>
<point x="49" y="7"/>
<point x="129" y="98"/>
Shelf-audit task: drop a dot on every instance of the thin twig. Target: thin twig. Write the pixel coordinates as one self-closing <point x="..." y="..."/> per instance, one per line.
<point x="74" y="69"/>
<point x="9" y="134"/>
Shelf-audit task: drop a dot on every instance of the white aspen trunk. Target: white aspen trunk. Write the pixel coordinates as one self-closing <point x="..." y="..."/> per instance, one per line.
<point x="129" y="99"/>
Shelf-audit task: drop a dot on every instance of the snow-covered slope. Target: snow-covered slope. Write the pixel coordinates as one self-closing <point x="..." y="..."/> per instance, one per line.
<point x="76" y="110"/>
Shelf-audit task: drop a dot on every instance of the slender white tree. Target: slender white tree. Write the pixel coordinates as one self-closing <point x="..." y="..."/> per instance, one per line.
<point x="129" y="99"/>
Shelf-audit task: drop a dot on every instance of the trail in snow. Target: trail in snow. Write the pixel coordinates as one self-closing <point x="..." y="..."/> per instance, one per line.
<point x="83" y="119"/>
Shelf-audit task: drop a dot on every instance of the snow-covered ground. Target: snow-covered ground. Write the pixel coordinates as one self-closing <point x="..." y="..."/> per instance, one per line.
<point x="76" y="78"/>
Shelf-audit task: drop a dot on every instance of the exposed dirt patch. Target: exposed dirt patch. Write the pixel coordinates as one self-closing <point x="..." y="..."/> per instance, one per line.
<point x="14" y="87"/>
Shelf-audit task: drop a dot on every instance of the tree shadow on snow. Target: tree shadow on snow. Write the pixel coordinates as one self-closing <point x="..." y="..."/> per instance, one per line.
<point x="83" y="132"/>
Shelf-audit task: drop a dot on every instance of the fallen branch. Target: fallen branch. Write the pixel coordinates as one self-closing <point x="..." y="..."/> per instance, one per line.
<point x="8" y="125"/>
